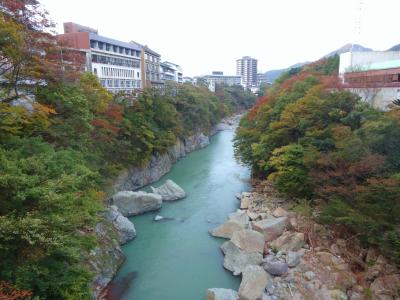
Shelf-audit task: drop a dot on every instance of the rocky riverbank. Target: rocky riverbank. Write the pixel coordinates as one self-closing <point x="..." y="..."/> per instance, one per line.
<point x="115" y="229"/>
<point x="281" y="254"/>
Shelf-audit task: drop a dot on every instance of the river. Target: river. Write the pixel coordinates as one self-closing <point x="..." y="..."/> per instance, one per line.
<point x="177" y="259"/>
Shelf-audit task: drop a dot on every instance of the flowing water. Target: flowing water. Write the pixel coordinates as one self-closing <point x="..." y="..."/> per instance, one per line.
<point x="177" y="259"/>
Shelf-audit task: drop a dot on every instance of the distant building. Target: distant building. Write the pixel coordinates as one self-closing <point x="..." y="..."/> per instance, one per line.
<point x="218" y="78"/>
<point x="190" y="80"/>
<point x="171" y="72"/>
<point x="262" y="79"/>
<point x="374" y="76"/>
<point x="116" y="63"/>
<point x="246" y="67"/>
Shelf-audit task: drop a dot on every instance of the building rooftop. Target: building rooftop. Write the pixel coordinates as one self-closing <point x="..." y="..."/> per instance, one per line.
<point x="107" y="40"/>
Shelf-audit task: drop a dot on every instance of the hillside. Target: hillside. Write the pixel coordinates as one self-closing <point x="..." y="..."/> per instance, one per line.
<point x="272" y="75"/>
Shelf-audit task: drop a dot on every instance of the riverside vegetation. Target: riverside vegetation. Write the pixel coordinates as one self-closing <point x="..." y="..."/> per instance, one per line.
<point x="63" y="137"/>
<point x="335" y="155"/>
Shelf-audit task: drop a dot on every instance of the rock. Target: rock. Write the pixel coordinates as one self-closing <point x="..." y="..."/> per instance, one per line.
<point x="238" y="196"/>
<point x="254" y="282"/>
<point x="265" y="296"/>
<point x="106" y="258"/>
<point x="253" y="216"/>
<point x="289" y="241"/>
<point x="270" y="228"/>
<point x="125" y="228"/>
<point x="279" y="212"/>
<point x="293" y="258"/>
<point x="159" y="164"/>
<point x="169" y="191"/>
<point x="386" y="287"/>
<point x="221" y="294"/>
<point x="135" y="203"/>
<point x="249" y="240"/>
<point x="158" y="218"/>
<point x="223" y="126"/>
<point x="274" y="266"/>
<point x="337" y="295"/>
<point x="245" y="203"/>
<point x="240" y="217"/>
<point x="309" y="275"/>
<point x="226" y="230"/>
<point x="236" y="260"/>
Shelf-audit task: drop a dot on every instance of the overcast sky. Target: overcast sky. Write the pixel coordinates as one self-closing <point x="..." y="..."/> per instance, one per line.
<point x="207" y="35"/>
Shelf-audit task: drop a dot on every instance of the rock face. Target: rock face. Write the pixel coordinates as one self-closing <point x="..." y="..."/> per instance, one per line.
<point x="169" y="191"/>
<point x="289" y="241"/>
<point x="254" y="282"/>
<point x="105" y="260"/>
<point x="271" y="228"/>
<point x="125" y="228"/>
<point x="236" y="259"/>
<point x="226" y="230"/>
<point x="135" y="203"/>
<point x="249" y="240"/>
<point x="221" y="294"/>
<point x="159" y="164"/>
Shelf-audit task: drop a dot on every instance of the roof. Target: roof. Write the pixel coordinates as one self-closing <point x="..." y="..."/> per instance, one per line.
<point x="107" y="40"/>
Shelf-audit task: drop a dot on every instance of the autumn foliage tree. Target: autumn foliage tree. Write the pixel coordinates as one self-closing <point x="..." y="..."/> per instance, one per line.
<point x="315" y="141"/>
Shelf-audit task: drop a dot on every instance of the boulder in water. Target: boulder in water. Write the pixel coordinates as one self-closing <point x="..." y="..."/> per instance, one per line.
<point x="125" y="228"/>
<point x="169" y="191"/>
<point x="221" y="294"/>
<point x="134" y="203"/>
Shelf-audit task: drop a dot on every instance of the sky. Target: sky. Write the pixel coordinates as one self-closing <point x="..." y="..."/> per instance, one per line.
<point x="210" y="35"/>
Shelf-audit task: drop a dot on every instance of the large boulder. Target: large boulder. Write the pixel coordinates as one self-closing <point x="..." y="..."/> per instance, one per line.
<point x="274" y="266"/>
<point x="236" y="260"/>
<point x="241" y="217"/>
<point x="249" y="240"/>
<point x="226" y="230"/>
<point x="386" y="287"/>
<point x="134" y="203"/>
<point x="289" y="241"/>
<point x="125" y="228"/>
<point x="169" y="191"/>
<point x="254" y="282"/>
<point x="221" y="294"/>
<point x="270" y="228"/>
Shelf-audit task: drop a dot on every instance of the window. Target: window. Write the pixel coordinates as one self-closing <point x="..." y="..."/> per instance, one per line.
<point x="101" y="45"/>
<point x="396" y="78"/>
<point x="108" y="46"/>
<point x="95" y="71"/>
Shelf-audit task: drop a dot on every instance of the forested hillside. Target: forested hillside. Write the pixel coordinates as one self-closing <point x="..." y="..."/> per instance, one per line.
<point x="324" y="147"/>
<point x="62" y="136"/>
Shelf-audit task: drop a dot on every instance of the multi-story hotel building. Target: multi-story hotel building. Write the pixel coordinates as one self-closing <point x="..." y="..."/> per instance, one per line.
<point x="171" y="72"/>
<point x="117" y="64"/>
<point x="246" y="67"/>
<point x="218" y="78"/>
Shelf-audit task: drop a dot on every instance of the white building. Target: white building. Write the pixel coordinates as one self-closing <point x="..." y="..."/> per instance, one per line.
<point x="116" y="63"/>
<point x="374" y="76"/>
<point x="218" y="78"/>
<point x="171" y="72"/>
<point x="246" y="67"/>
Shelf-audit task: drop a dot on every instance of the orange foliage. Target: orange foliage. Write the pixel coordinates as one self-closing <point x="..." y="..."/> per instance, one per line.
<point x="9" y="292"/>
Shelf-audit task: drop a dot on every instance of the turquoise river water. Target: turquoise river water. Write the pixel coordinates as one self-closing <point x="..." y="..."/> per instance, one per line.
<point x="177" y="259"/>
